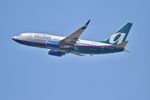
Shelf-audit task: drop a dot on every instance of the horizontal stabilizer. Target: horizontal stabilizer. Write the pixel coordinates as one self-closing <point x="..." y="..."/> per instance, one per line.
<point x="121" y="45"/>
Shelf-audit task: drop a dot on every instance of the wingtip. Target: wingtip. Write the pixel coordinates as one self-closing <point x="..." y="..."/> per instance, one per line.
<point x="130" y="23"/>
<point x="87" y="23"/>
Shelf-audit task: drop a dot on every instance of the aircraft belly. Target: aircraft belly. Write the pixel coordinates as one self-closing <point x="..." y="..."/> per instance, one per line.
<point x="95" y="50"/>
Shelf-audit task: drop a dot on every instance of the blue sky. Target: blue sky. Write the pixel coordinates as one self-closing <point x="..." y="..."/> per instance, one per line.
<point x="28" y="73"/>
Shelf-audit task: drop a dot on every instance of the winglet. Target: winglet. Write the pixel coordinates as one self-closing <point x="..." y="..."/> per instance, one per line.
<point x="87" y="23"/>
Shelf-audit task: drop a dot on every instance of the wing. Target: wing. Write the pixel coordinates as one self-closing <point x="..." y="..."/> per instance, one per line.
<point x="78" y="54"/>
<point x="71" y="39"/>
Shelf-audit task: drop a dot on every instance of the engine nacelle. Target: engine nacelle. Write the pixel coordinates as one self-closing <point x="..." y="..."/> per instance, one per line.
<point x="56" y="53"/>
<point x="52" y="44"/>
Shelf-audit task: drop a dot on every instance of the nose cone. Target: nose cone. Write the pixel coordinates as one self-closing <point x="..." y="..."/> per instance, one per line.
<point x="14" y="38"/>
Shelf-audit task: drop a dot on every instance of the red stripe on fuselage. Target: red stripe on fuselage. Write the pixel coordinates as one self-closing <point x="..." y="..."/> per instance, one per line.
<point x="94" y="46"/>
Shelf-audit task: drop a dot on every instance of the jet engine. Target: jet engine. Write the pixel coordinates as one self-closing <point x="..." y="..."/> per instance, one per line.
<point x="56" y="53"/>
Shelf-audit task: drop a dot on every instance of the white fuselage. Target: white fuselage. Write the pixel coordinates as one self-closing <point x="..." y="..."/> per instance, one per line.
<point x="42" y="38"/>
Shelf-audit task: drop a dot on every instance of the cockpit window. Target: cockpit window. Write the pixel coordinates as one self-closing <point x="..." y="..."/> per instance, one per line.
<point x="23" y="34"/>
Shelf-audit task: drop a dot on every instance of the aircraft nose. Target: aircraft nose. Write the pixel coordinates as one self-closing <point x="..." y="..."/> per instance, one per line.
<point x="14" y="38"/>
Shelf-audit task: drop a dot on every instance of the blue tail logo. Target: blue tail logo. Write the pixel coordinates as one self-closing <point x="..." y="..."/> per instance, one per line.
<point x="121" y="35"/>
<point x="117" y="38"/>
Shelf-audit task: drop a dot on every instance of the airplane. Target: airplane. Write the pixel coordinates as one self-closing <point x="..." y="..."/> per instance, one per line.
<point x="60" y="45"/>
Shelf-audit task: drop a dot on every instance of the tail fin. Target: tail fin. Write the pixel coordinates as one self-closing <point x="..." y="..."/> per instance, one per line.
<point x="120" y="36"/>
